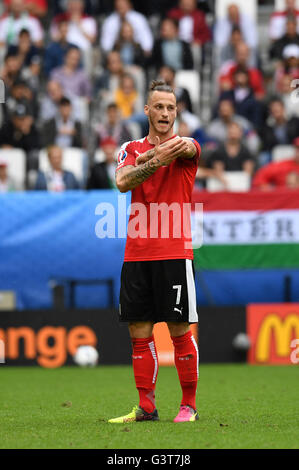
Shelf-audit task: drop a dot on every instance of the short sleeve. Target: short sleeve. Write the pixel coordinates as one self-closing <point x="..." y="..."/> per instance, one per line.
<point x="124" y="157"/>
<point x="198" y="149"/>
<point x="194" y="160"/>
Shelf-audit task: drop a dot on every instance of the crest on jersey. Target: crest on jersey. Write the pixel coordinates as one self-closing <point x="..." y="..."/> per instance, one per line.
<point x="122" y="156"/>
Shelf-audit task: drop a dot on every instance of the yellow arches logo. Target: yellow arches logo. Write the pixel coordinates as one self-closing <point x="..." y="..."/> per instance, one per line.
<point x="282" y="330"/>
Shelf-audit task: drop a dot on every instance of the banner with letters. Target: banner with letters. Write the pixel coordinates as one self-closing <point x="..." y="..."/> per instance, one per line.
<point x="254" y="230"/>
<point x="49" y="338"/>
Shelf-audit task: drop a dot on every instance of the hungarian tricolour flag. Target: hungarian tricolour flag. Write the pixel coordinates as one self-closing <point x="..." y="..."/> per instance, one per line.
<point x="246" y="230"/>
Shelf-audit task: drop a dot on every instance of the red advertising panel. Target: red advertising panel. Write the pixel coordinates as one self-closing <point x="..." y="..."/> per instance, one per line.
<point x="274" y="333"/>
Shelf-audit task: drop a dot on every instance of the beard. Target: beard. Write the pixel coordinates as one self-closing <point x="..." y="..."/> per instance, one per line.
<point x="159" y="131"/>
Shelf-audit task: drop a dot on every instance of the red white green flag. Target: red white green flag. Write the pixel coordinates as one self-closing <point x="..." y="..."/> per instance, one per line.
<point x="247" y="230"/>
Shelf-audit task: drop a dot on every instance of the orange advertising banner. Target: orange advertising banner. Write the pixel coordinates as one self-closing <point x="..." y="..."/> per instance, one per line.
<point x="274" y="333"/>
<point x="164" y="344"/>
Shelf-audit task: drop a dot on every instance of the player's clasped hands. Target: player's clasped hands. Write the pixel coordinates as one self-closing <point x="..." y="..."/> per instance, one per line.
<point x="165" y="152"/>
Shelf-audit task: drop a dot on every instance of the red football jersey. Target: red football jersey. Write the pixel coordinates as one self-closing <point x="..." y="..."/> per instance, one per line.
<point x="159" y="226"/>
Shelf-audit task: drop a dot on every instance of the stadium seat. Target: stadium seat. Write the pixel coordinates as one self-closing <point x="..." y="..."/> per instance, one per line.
<point x="16" y="159"/>
<point x="190" y="80"/>
<point x="250" y="8"/>
<point x="82" y="109"/>
<point x="139" y="77"/>
<point x="237" y="181"/>
<point x="99" y="156"/>
<point x="282" y="152"/>
<point x="134" y="129"/>
<point x="196" y="50"/>
<point x="74" y="160"/>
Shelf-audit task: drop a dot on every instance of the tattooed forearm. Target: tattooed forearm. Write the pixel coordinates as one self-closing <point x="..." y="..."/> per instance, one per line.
<point x="141" y="173"/>
<point x="150" y="154"/>
<point x="131" y="177"/>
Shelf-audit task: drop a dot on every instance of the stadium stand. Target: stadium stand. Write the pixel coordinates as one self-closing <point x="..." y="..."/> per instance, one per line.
<point x="16" y="163"/>
<point x="190" y="79"/>
<point x="92" y="84"/>
<point x="236" y="181"/>
<point x="282" y="152"/>
<point x="74" y="160"/>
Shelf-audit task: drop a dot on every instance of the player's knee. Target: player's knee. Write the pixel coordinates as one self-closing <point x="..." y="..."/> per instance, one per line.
<point x="141" y="329"/>
<point x="178" y="329"/>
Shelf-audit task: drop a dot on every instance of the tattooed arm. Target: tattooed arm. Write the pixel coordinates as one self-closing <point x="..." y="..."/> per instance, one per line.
<point x="187" y="151"/>
<point x="129" y="177"/>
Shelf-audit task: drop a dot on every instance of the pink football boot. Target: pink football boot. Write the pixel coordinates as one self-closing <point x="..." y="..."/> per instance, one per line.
<point x="186" y="413"/>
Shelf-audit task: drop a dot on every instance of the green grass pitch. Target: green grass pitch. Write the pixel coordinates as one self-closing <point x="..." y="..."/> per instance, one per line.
<point x="240" y="406"/>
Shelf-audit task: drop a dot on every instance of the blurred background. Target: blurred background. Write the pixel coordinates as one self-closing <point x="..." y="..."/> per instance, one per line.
<point x="74" y="76"/>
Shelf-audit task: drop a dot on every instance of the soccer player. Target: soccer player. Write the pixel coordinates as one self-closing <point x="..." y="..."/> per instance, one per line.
<point x="157" y="280"/>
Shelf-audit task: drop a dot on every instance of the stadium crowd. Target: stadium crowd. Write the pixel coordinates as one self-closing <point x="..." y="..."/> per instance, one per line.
<point x="76" y="74"/>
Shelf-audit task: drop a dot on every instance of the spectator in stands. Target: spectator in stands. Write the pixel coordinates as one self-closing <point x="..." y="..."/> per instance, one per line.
<point x="55" y="52"/>
<point x="156" y="7"/>
<point x="32" y="73"/>
<point x="190" y="121"/>
<point x="278" y="130"/>
<point x="218" y="127"/>
<point x="123" y="10"/>
<point x="189" y="127"/>
<point x="289" y="66"/>
<point x="288" y="89"/>
<point x="202" y="173"/>
<point x="24" y="49"/>
<point x="167" y="73"/>
<point x="16" y="19"/>
<point x="242" y="60"/>
<point x="103" y="174"/>
<point x="50" y="101"/>
<point x="192" y="22"/>
<point x="130" y="51"/>
<point x="20" y="131"/>
<point x="279" y="174"/>
<point x="6" y="183"/>
<point x="11" y="69"/>
<point x="36" y="8"/>
<point x="113" y="127"/>
<point x="21" y="93"/>
<point x="74" y="81"/>
<point x="109" y="79"/>
<point x="290" y="37"/>
<point x="56" y="179"/>
<point x="232" y="155"/>
<point x="243" y="98"/>
<point x="82" y="29"/>
<point x="63" y="131"/>
<point x="169" y="49"/>
<point x="127" y="98"/>
<point x="278" y="19"/>
<point x="92" y="7"/>
<point x="236" y="18"/>
<point x="227" y="53"/>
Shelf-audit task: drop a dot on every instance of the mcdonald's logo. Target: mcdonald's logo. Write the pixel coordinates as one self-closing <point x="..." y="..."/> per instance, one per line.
<point x="272" y="328"/>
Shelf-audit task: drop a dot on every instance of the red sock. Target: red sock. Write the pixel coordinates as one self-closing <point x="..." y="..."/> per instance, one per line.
<point x="145" y="366"/>
<point x="186" y="361"/>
